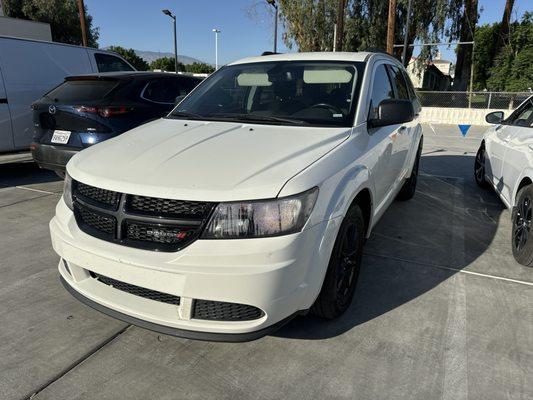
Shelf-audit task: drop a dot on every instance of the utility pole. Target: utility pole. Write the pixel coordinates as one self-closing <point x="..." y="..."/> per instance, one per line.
<point x="390" y="26"/>
<point x="273" y="4"/>
<point x="81" y="8"/>
<point x="406" y="38"/>
<point x="340" y="25"/>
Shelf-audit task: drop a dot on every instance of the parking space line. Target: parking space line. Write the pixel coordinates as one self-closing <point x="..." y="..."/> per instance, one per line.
<point x="35" y="190"/>
<point x="69" y="368"/>
<point x="501" y="278"/>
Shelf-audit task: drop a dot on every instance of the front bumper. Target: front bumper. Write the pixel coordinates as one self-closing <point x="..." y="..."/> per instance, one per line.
<point x="52" y="157"/>
<point x="281" y="276"/>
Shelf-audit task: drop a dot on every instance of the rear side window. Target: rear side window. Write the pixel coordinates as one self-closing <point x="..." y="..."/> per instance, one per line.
<point x="109" y="63"/>
<point x="381" y="90"/>
<point x="88" y="90"/>
<point x="399" y="83"/>
<point x="166" y="90"/>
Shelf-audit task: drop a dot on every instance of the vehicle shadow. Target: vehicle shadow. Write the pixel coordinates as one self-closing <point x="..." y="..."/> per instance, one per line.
<point x="448" y="224"/>
<point x="26" y="173"/>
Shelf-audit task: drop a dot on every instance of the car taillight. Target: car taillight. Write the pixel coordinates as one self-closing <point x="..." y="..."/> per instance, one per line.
<point x="106" y="112"/>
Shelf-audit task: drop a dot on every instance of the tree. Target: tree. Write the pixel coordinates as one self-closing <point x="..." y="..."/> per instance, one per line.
<point x="166" y="64"/>
<point x="309" y="23"/>
<point x="199" y="68"/>
<point x="513" y="66"/>
<point x="485" y="39"/>
<point x="130" y="56"/>
<point x="62" y="15"/>
<point x="464" y="52"/>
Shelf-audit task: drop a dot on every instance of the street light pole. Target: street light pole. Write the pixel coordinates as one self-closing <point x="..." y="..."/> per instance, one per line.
<point x="217" y="31"/>
<point x="167" y="12"/>
<point x="273" y="4"/>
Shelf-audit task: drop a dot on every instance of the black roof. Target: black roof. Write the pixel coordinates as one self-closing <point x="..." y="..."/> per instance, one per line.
<point x="129" y="75"/>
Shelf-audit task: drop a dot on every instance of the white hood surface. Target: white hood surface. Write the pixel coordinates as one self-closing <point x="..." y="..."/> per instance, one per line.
<point x="208" y="161"/>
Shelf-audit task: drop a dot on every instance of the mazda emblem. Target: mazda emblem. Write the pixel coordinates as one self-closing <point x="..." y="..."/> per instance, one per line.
<point x="52" y="109"/>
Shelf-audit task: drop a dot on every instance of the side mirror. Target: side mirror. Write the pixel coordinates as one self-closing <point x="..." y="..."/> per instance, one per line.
<point x="179" y="99"/>
<point x="392" y="112"/>
<point x="495" y="117"/>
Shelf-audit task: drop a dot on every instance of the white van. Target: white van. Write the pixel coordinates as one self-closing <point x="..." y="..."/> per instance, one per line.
<point x="29" y="69"/>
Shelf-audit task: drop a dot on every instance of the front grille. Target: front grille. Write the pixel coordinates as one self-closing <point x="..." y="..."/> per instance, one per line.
<point x="97" y="195"/>
<point x="138" y="221"/>
<point x="137" y="290"/>
<point x="168" y="207"/>
<point x="221" y="311"/>
<point x="93" y="220"/>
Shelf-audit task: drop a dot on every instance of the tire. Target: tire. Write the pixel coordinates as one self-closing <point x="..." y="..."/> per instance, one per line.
<point x="479" y="167"/>
<point x="344" y="266"/>
<point x="408" y="189"/>
<point x="61" y="174"/>
<point x="521" y="236"/>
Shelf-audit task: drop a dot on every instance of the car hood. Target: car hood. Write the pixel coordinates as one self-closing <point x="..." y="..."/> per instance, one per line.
<point x="197" y="160"/>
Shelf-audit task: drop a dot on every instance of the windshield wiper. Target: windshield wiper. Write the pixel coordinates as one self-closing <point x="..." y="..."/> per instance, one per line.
<point x="259" y="118"/>
<point x="186" y="115"/>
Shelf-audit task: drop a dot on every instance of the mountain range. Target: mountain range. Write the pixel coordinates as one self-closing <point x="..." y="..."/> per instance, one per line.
<point x="150" y="56"/>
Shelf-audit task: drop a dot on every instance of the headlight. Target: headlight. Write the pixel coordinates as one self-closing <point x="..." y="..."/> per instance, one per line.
<point x="261" y="218"/>
<point x="67" y="191"/>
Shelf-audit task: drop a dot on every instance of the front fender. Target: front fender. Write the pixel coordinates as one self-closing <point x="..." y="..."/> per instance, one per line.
<point x="527" y="173"/>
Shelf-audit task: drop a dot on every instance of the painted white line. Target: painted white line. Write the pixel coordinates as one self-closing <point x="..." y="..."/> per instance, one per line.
<point x="34" y="190"/>
<point x="455" y="379"/>
<point x="500" y="278"/>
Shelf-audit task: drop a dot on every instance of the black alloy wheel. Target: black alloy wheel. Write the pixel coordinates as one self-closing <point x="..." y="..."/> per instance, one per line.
<point x="521" y="235"/>
<point x="344" y="266"/>
<point x="479" y="167"/>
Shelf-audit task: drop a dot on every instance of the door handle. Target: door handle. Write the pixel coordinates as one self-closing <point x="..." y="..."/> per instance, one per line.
<point x="402" y="129"/>
<point x="530" y="147"/>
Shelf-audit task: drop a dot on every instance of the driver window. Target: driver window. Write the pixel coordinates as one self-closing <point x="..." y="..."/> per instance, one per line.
<point x="524" y="117"/>
<point x="381" y="90"/>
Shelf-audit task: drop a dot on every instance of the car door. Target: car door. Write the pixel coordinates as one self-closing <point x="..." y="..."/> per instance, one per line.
<point x="519" y="150"/>
<point x="498" y="143"/>
<point x="388" y="165"/>
<point x="6" y="131"/>
<point x="406" y="132"/>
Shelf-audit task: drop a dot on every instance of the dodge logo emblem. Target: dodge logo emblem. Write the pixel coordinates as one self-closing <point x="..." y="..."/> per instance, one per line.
<point x="52" y="109"/>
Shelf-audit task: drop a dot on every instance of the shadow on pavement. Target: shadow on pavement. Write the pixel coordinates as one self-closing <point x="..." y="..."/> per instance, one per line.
<point x="449" y="223"/>
<point x="27" y="173"/>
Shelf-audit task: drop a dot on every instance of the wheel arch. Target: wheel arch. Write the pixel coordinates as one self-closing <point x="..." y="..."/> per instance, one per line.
<point x="523" y="182"/>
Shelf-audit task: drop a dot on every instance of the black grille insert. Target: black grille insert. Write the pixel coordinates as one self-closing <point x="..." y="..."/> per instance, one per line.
<point x="137" y="290"/>
<point x="222" y="311"/>
<point x="138" y="221"/>
<point x="93" y="220"/>
<point x="158" y="234"/>
<point x="168" y="207"/>
<point x="97" y="195"/>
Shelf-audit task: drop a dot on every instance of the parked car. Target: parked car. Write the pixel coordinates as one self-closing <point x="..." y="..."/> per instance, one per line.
<point x="88" y="109"/>
<point x="249" y="204"/>
<point x="30" y="68"/>
<point x="504" y="162"/>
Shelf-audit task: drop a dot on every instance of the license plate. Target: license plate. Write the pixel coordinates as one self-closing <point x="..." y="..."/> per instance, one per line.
<point x="61" y="137"/>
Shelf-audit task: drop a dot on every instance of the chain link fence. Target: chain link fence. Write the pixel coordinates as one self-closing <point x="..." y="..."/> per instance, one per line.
<point x="476" y="100"/>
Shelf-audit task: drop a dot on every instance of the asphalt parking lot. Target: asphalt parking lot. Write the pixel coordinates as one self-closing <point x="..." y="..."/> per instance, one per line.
<point x="442" y="310"/>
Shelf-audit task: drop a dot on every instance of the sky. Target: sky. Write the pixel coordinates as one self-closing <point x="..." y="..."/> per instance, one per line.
<point x="246" y="26"/>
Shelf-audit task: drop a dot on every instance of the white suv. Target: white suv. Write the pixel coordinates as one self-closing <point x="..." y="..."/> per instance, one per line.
<point x="249" y="203"/>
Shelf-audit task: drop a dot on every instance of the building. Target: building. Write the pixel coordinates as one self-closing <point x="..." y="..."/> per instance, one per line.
<point x="434" y="75"/>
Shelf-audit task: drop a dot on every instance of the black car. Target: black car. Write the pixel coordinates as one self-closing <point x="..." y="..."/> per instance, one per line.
<point x="88" y="109"/>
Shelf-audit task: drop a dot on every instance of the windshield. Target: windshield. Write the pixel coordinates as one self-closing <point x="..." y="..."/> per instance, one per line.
<point x="286" y="93"/>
